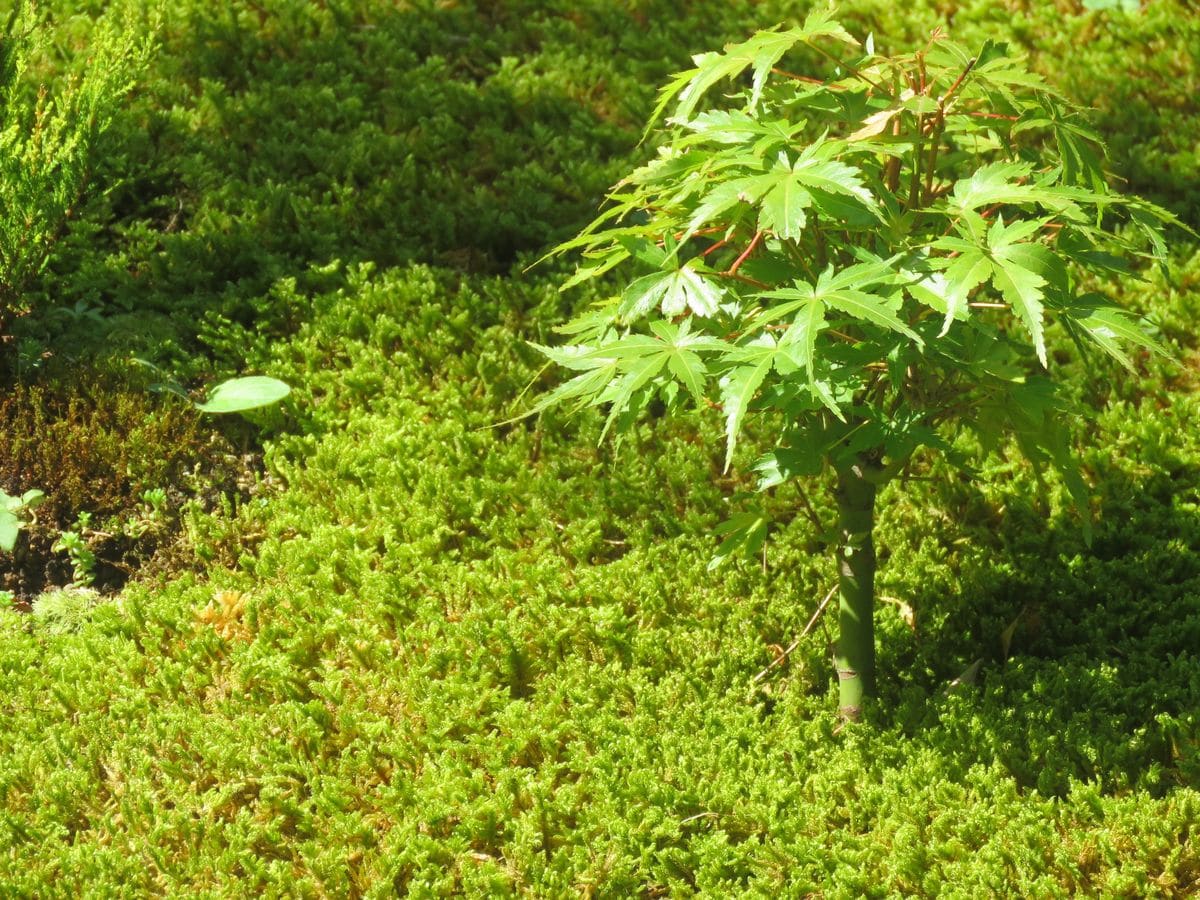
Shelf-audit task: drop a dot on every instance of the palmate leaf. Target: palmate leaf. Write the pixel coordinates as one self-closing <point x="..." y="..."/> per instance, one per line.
<point x="999" y="183"/>
<point x="760" y="53"/>
<point x="800" y="339"/>
<point x="1022" y="289"/>
<point x="744" y="531"/>
<point x="870" y="308"/>
<point x="680" y="348"/>
<point x="721" y="126"/>
<point x="674" y="292"/>
<point x="947" y="291"/>
<point x="615" y="371"/>
<point x="740" y="385"/>
<point x="621" y="391"/>
<point x="577" y="393"/>
<point x="1035" y="413"/>
<point x="782" y="210"/>
<point x="689" y="369"/>
<point x="601" y="262"/>
<point x="1020" y="270"/>
<point x="842" y="290"/>
<point x="1110" y="328"/>
<point x="726" y="195"/>
<point x="1016" y="269"/>
<point x="833" y="177"/>
<point x="811" y="181"/>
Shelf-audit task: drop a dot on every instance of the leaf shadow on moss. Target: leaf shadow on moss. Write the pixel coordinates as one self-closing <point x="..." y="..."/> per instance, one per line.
<point x="1101" y="681"/>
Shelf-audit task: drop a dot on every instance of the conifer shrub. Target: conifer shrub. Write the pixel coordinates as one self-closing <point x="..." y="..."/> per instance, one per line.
<point x="48" y="141"/>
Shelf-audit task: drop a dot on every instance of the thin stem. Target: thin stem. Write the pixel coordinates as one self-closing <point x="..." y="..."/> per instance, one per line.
<point x="849" y="68"/>
<point x="841" y="334"/>
<point x="809" y="510"/>
<point x="935" y="139"/>
<point x="715" y="247"/>
<point x="745" y="253"/>
<point x="914" y="184"/>
<point x="805" y="78"/>
<point x="986" y="115"/>
<point x="752" y="281"/>
<point x="777" y="661"/>
<point x="892" y="169"/>
<point x="957" y="84"/>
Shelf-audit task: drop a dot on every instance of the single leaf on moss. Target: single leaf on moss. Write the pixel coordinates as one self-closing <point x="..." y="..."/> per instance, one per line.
<point x="241" y="394"/>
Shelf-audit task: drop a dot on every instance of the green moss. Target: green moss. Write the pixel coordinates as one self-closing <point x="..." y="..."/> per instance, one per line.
<point x="63" y="611"/>
<point x="490" y="659"/>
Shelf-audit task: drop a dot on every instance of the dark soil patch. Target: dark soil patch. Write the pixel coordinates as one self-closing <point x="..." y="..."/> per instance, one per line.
<point x="100" y="444"/>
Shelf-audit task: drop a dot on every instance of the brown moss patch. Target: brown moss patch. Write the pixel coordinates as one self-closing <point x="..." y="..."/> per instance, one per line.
<point x="96" y="440"/>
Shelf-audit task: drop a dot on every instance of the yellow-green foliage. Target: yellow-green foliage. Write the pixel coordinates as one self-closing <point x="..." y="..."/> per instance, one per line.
<point x="448" y="656"/>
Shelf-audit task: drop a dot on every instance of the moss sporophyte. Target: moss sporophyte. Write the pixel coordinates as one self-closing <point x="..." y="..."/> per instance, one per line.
<point x="865" y="256"/>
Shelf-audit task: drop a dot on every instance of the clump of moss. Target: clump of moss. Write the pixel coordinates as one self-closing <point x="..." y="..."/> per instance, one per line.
<point x="64" y="610"/>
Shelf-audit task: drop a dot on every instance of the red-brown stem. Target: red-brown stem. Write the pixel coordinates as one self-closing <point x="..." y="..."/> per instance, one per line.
<point x="737" y="263"/>
<point x="957" y="84"/>
<point x="715" y="247"/>
<point x="935" y="139"/>
<point x="703" y="231"/>
<point x="845" y="65"/>
<point x="753" y="281"/>
<point x="787" y="74"/>
<point x="893" y="165"/>
<point x="987" y="115"/>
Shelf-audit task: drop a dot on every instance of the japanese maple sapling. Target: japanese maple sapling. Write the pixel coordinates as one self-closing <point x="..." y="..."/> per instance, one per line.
<point x="865" y="262"/>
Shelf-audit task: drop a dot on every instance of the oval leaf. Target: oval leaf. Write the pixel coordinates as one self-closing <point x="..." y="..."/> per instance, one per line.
<point x="240" y="394"/>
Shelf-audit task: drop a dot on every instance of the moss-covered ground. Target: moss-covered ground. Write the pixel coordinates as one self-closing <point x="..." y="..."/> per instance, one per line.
<point x="424" y="653"/>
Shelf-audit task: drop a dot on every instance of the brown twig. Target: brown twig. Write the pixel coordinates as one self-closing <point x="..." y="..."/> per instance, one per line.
<point x="715" y="247"/>
<point x="958" y="83"/>
<point x="737" y="263"/>
<point x="777" y="661"/>
<point x="808" y="508"/>
<point x="892" y="169"/>
<point x="752" y="281"/>
<point x="806" y="78"/>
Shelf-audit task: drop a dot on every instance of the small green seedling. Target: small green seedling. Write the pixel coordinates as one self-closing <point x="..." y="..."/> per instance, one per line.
<point x="863" y="262"/>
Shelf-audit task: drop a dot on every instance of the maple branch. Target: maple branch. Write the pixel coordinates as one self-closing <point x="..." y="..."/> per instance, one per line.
<point x="752" y="281"/>
<point x="845" y="65"/>
<point x="737" y="263"/>
<point x="715" y="247"/>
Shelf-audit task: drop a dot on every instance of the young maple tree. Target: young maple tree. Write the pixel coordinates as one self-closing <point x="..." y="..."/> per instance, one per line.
<point x="863" y="263"/>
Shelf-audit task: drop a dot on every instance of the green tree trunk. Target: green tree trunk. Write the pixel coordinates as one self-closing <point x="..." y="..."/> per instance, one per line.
<point x="855" y="658"/>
